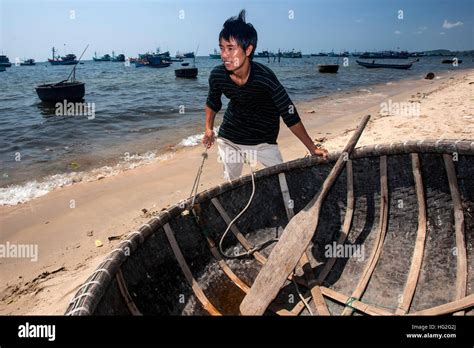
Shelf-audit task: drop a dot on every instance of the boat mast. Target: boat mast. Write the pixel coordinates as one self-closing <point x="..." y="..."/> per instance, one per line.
<point x="73" y="72"/>
<point x="194" y="58"/>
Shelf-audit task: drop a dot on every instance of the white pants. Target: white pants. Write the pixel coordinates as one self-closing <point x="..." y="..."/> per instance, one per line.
<point x="231" y="155"/>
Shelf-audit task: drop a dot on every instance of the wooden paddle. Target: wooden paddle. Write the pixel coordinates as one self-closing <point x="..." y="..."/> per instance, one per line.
<point x="294" y="240"/>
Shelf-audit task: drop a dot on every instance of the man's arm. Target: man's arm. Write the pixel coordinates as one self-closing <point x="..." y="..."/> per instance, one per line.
<point x="209" y="138"/>
<point x="213" y="105"/>
<point x="290" y="116"/>
<point x="300" y="132"/>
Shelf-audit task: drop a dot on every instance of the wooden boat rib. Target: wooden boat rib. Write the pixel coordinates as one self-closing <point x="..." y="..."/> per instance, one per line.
<point x="414" y="225"/>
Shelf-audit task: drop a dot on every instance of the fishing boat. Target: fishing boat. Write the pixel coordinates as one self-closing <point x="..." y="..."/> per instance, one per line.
<point x="265" y="54"/>
<point x="320" y="54"/>
<point x="292" y="54"/>
<point x="139" y="63"/>
<point x="328" y="68"/>
<point x="215" y="55"/>
<point x="156" y="61"/>
<point x="185" y="55"/>
<point x="28" y="62"/>
<point x="5" y="62"/>
<point x="384" y="244"/>
<point x="157" y="54"/>
<point x="342" y="54"/>
<point x="451" y="61"/>
<point x="104" y="58"/>
<point x="119" y="58"/>
<point x="374" y="65"/>
<point x="69" y="59"/>
<point x="385" y="55"/>
<point x="69" y="89"/>
<point x="186" y="71"/>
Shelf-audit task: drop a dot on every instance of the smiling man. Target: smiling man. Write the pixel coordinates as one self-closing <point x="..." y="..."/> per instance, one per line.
<point x="257" y="100"/>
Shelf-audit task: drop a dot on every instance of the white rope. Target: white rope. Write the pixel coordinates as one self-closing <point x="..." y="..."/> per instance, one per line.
<point x="194" y="193"/>
<point x="306" y="304"/>
<point x="88" y="294"/>
<point x="79" y="309"/>
<point x="259" y="246"/>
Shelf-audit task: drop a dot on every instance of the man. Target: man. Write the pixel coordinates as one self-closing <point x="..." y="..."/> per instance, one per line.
<point x="257" y="100"/>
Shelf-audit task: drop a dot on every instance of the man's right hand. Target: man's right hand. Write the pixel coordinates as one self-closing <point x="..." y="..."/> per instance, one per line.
<point x="209" y="138"/>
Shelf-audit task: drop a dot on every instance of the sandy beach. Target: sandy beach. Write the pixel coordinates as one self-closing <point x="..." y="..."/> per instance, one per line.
<point x="75" y="226"/>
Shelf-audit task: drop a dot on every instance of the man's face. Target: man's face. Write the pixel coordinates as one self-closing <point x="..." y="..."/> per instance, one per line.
<point x="232" y="54"/>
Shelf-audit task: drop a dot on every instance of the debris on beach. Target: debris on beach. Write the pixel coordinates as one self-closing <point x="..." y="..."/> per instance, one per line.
<point x="430" y="76"/>
<point x="111" y="238"/>
<point x="320" y="139"/>
<point x="98" y="243"/>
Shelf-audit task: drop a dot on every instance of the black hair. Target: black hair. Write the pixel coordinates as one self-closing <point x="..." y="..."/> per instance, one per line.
<point x="242" y="32"/>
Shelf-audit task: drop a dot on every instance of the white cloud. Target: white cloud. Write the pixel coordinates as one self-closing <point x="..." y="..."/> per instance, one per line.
<point x="397" y="32"/>
<point x="420" y="30"/>
<point x="359" y="20"/>
<point x="442" y="33"/>
<point x="448" y="25"/>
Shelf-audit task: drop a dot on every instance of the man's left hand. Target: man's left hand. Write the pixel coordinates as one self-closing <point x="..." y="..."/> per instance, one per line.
<point x="321" y="152"/>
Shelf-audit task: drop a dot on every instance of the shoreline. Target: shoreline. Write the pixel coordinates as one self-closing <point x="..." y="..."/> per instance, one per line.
<point x="116" y="205"/>
<point x="25" y="191"/>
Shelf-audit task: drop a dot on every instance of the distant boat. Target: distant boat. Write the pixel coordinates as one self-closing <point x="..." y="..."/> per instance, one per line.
<point x="320" y="54"/>
<point x="140" y="63"/>
<point x="328" y="68"/>
<point x="185" y="55"/>
<point x="215" y="55"/>
<point x="119" y="58"/>
<point x="292" y="54"/>
<point x="69" y="59"/>
<point x="104" y="58"/>
<point x="67" y="90"/>
<point x="157" y="54"/>
<point x="451" y="61"/>
<point x="156" y="61"/>
<point x="389" y="66"/>
<point x="342" y="54"/>
<point x="385" y="55"/>
<point x="176" y="59"/>
<point x="265" y="54"/>
<point x="417" y="54"/>
<point x="5" y="62"/>
<point x="28" y="62"/>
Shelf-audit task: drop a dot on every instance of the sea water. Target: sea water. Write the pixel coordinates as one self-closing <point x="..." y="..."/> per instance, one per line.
<point x="140" y="114"/>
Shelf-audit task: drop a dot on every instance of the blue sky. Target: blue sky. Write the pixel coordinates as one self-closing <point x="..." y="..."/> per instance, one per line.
<point x="31" y="28"/>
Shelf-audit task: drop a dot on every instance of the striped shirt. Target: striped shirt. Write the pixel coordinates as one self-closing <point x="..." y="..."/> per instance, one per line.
<point x="253" y="113"/>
